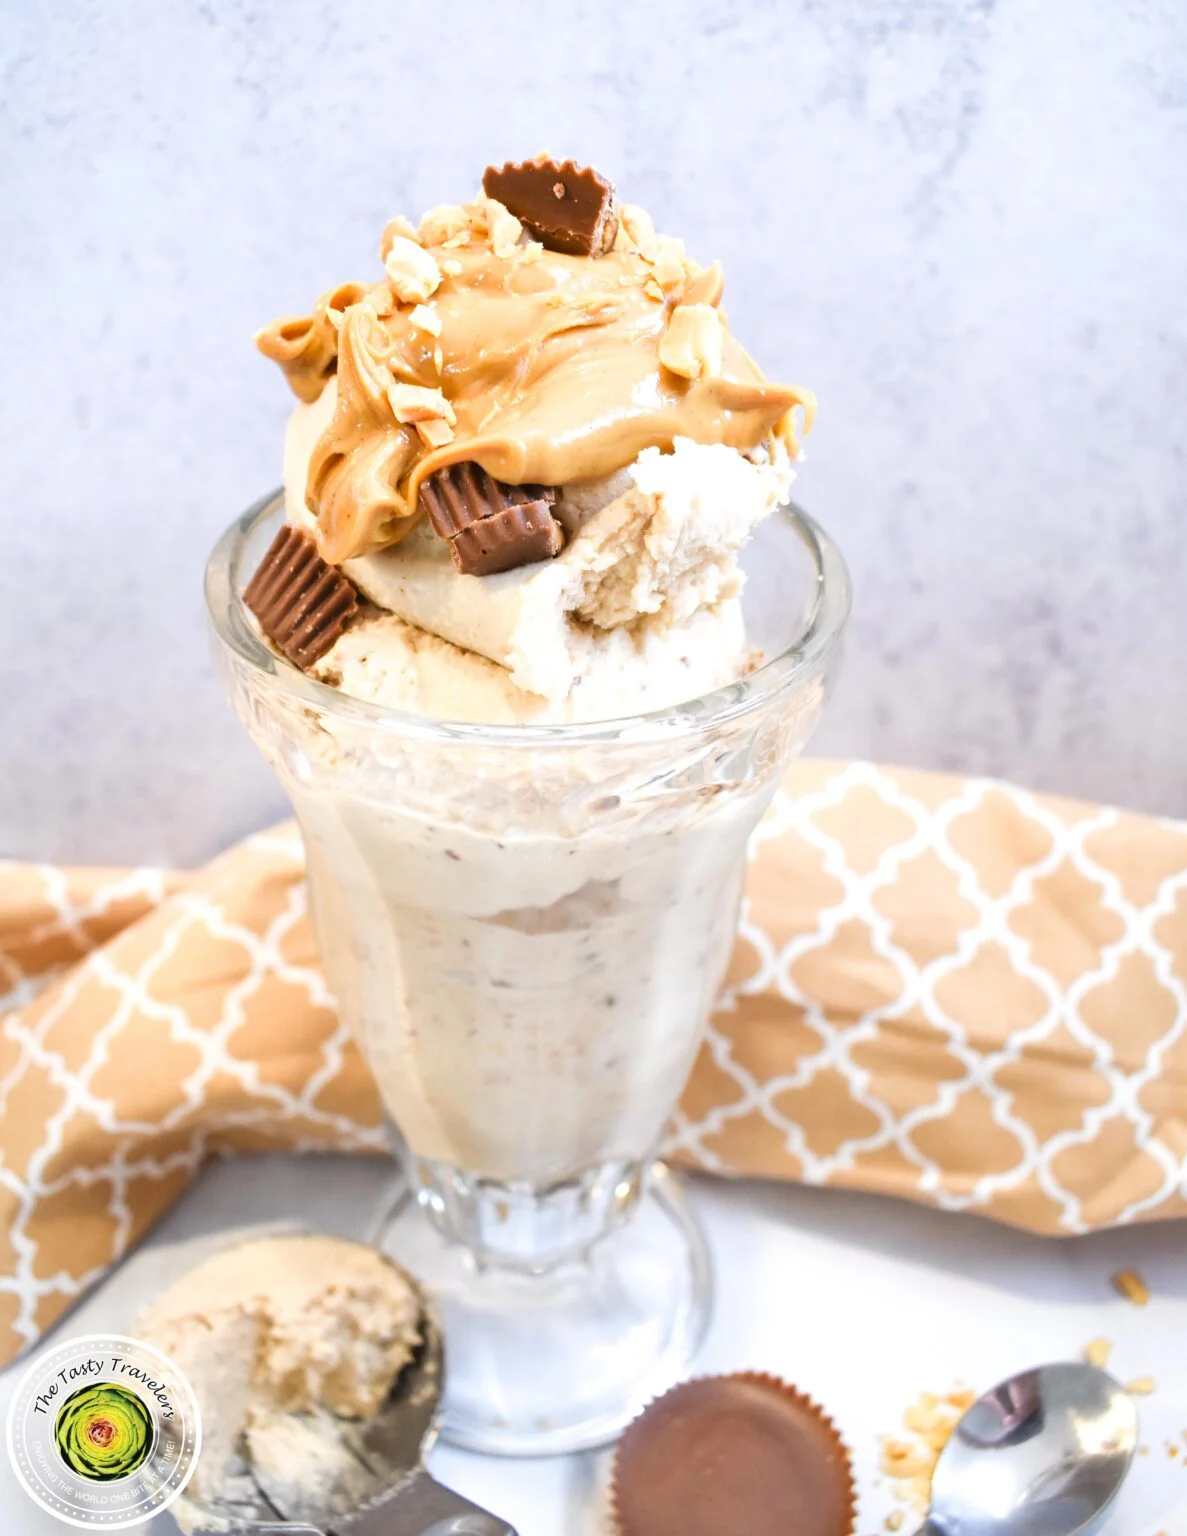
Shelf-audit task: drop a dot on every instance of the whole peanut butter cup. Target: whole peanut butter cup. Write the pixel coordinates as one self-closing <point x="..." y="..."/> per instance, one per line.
<point x="725" y="1454"/>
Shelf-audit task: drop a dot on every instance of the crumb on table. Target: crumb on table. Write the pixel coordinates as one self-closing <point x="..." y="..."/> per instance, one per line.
<point x="1128" y="1283"/>
<point x="930" y="1419"/>
<point x="1097" y="1352"/>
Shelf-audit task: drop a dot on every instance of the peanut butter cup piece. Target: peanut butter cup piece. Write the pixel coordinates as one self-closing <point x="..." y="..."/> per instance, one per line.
<point x="567" y="207"/>
<point x="489" y="526"/>
<point x="303" y="604"/>
<point x="733" y="1453"/>
<point x="513" y="536"/>
<point x="461" y="494"/>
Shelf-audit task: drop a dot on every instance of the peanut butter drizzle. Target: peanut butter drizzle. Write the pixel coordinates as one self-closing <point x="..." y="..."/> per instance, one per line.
<point x="549" y="363"/>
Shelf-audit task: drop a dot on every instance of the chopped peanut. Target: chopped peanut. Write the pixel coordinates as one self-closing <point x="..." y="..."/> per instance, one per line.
<point x="380" y="300"/>
<point x="705" y="287"/>
<point x="1097" y="1352"/>
<point x="425" y="318"/>
<point x="503" y="227"/>
<point x="434" y="434"/>
<point x="921" y="1413"/>
<point x="444" y="223"/>
<point x="691" y="345"/>
<point x="425" y="409"/>
<point x="412" y="403"/>
<point x="1141" y="1387"/>
<point x="668" y="264"/>
<point x="415" y="276"/>
<point x="931" y="1419"/>
<point x="635" y="230"/>
<point x="397" y="226"/>
<point x="1131" y="1285"/>
<point x="901" y="1460"/>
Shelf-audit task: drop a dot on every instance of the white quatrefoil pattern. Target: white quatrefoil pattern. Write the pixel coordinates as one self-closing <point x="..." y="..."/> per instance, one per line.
<point x="945" y="989"/>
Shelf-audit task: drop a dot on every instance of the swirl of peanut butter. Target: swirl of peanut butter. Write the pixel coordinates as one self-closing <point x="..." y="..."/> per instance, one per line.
<point x="306" y="346"/>
<point x="543" y="368"/>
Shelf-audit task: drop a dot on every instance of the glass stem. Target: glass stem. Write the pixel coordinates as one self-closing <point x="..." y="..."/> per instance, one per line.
<point x="523" y="1227"/>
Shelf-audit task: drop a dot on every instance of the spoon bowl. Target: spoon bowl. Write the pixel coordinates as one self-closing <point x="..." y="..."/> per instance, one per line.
<point x="1041" y="1454"/>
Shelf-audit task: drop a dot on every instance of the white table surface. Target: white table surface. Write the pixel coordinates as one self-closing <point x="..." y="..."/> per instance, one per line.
<point x="861" y="1302"/>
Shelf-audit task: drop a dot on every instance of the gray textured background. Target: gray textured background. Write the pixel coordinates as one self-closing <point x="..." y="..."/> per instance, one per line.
<point x="965" y="224"/>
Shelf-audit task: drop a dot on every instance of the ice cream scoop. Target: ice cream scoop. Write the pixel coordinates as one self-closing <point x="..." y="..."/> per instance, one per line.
<point x="304" y="1469"/>
<point x="387" y="1452"/>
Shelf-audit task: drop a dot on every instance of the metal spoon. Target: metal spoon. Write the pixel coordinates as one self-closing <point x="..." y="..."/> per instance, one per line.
<point x="382" y="1487"/>
<point x="1042" y="1454"/>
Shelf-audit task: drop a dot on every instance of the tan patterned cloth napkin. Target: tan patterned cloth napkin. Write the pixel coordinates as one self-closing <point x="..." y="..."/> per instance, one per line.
<point x="943" y="988"/>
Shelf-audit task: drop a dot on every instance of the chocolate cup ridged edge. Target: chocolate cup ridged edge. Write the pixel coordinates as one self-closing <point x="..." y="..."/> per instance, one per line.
<point x="295" y="610"/>
<point x="759" y="1378"/>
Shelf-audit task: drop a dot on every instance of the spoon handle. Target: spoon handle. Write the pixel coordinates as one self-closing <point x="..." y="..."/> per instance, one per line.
<point x="423" y="1507"/>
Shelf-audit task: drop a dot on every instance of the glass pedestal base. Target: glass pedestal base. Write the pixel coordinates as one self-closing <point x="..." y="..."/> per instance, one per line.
<point x="558" y="1360"/>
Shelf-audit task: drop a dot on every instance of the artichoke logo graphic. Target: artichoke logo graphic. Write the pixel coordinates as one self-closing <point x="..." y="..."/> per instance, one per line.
<point x="104" y="1431"/>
